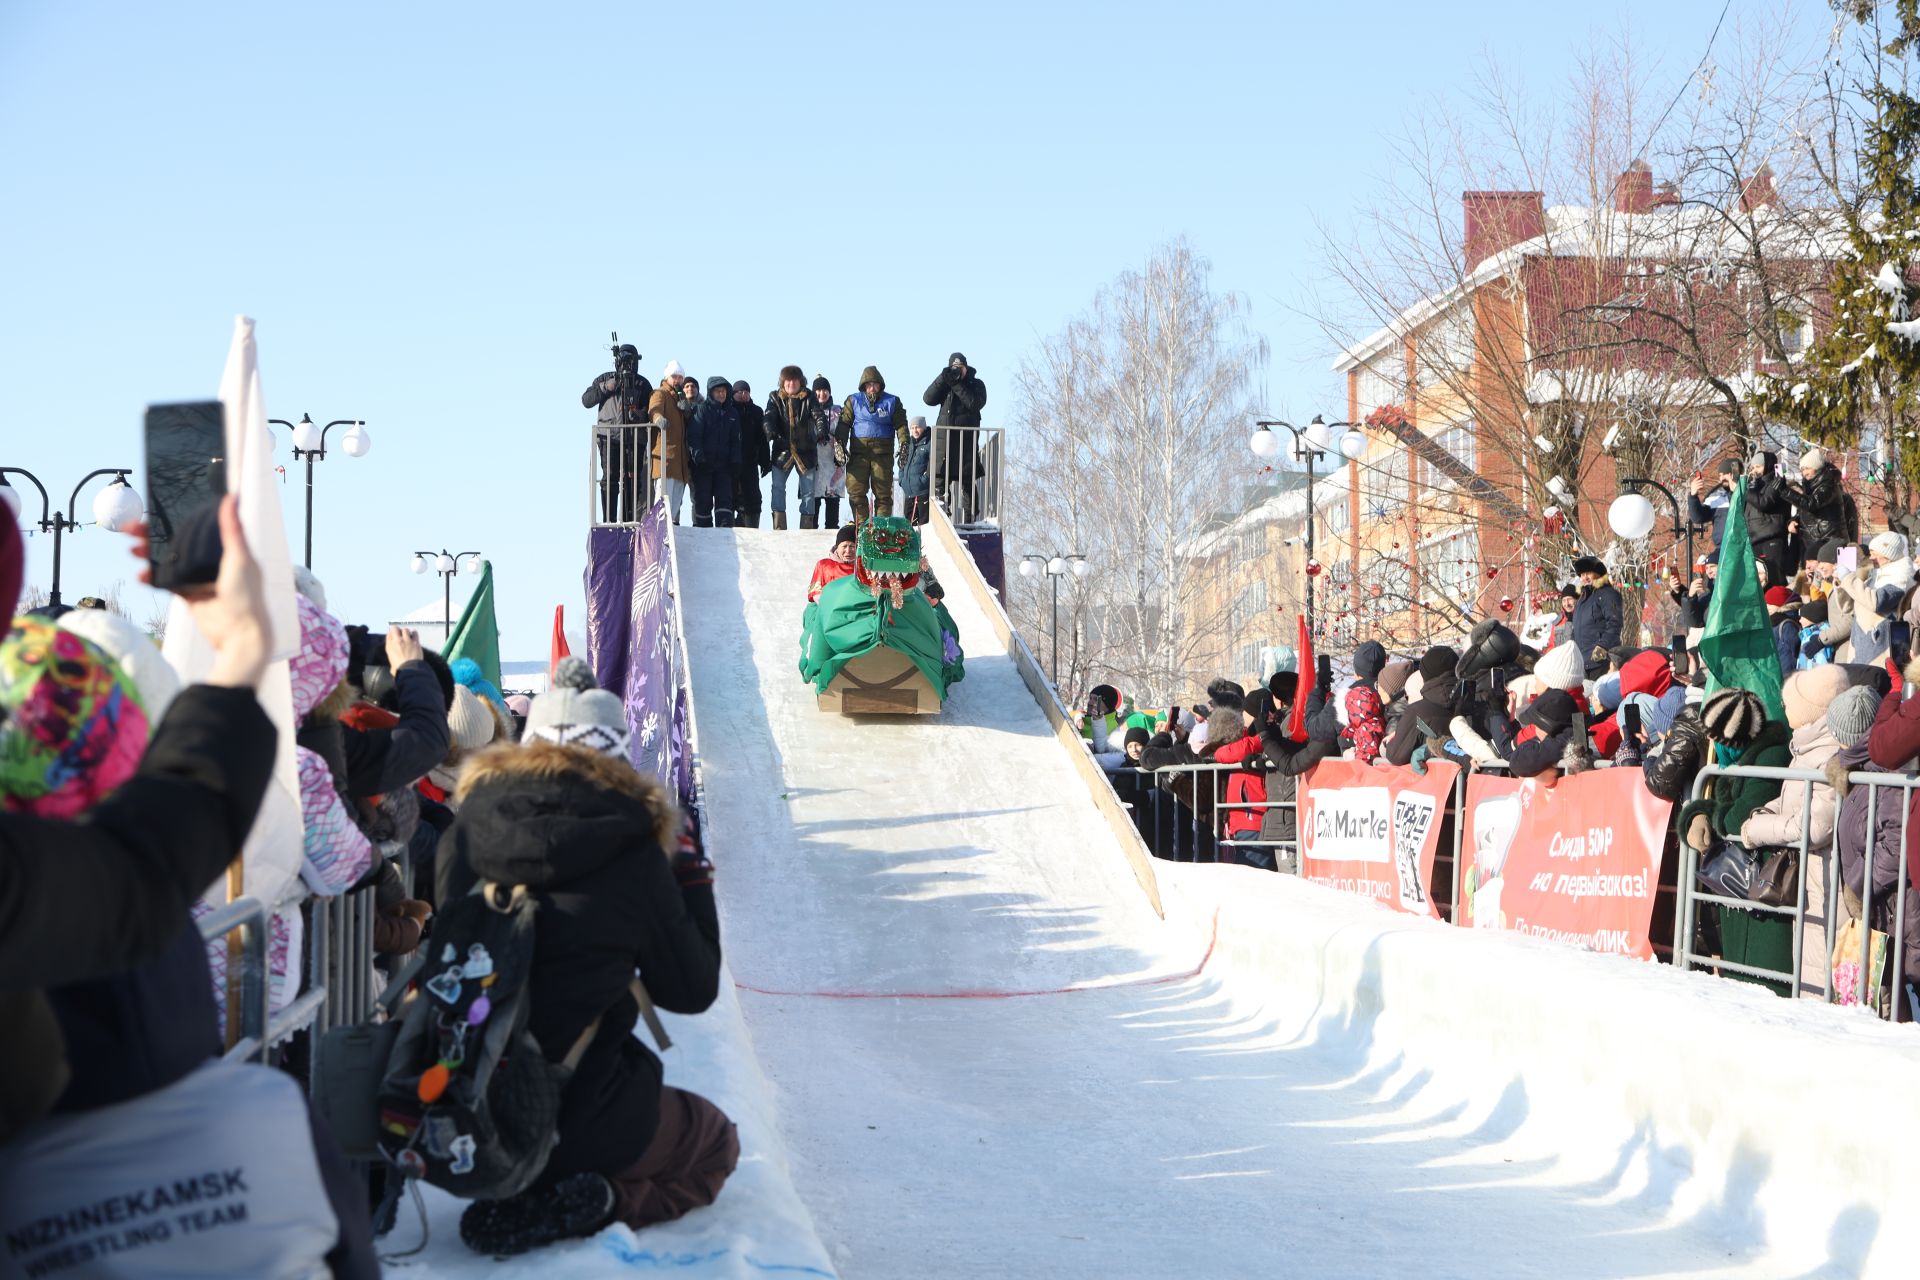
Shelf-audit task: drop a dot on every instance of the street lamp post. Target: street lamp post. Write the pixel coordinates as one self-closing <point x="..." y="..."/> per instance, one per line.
<point x="115" y="506"/>
<point x="1632" y="517"/>
<point x="1310" y="444"/>
<point x="446" y="564"/>
<point x="310" y="443"/>
<point x="1055" y="566"/>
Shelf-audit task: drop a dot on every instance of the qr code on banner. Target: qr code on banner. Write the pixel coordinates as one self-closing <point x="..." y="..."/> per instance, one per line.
<point x="1412" y="817"/>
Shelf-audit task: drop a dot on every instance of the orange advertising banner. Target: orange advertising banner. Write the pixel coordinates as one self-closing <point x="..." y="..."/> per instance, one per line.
<point x="1374" y="830"/>
<point x="1576" y="860"/>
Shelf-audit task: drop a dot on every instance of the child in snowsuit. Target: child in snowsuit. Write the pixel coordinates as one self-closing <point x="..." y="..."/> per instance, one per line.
<point x="837" y="565"/>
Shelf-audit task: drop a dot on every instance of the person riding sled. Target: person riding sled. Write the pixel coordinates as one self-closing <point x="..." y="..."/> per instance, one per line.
<point x="873" y="642"/>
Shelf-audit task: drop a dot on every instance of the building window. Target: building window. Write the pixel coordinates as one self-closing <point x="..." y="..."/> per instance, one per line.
<point x="1380" y="382"/>
<point x="1459" y="443"/>
<point x="1450" y="567"/>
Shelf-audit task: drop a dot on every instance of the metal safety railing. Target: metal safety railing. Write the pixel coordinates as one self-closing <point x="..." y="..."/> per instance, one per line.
<point x="1815" y="924"/>
<point x="620" y="484"/>
<point x="1197" y="827"/>
<point x="966" y="473"/>
<point x="340" y="982"/>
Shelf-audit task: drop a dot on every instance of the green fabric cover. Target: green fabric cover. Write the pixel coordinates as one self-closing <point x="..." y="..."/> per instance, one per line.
<point x="1737" y="644"/>
<point x="849" y="620"/>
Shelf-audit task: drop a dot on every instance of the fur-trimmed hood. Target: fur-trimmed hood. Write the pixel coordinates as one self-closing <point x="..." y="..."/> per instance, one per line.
<point x="543" y="814"/>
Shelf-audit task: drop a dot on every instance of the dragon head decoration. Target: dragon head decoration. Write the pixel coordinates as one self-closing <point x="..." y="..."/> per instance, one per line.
<point x="886" y="557"/>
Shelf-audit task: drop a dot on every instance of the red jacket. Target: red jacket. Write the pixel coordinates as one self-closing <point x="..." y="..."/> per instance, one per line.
<point x="1244" y="786"/>
<point x="826" y="571"/>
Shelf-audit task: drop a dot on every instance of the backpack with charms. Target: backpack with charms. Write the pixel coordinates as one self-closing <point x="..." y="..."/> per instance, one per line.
<point x="469" y="1102"/>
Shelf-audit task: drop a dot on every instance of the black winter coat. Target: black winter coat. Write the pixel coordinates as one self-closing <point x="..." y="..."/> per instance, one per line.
<point x="586" y="835"/>
<point x="795" y="426"/>
<point x="1669" y="773"/>
<point x="94" y="897"/>
<point x="1822" y="503"/>
<point x="1432" y="714"/>
<point x="383" y="760"/>
<point x="1597" y="620"/>
<point x="754" y="450"/>
<point x="713" y="437"/>
<point x="632" y="412"/>
<point x="960" y="397"/>
<point x="1769" y="504"/>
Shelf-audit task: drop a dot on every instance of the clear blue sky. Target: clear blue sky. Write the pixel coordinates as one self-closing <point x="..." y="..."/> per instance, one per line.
<point x="435" y="213"/>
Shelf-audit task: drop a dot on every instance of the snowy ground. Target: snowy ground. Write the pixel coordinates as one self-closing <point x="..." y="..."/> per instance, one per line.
<point x="963" y="1039"/>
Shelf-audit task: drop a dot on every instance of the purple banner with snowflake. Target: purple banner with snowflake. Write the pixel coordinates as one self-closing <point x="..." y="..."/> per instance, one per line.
<point x="633" y="633"/>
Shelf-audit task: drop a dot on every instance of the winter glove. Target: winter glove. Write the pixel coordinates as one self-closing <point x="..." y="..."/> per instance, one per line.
<point x="1700" y="833"/>
<point x="839" y="453"/>
<point x="691" y="869"/>
<point x="782" y="462"/>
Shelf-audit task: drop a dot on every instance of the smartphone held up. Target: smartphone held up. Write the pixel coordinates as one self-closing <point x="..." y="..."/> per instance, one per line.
<point x="186" y="478"/>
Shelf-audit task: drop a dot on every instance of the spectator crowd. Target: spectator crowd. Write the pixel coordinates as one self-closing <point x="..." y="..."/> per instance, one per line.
<point x="126" y="1132"/>
<point x="1842" y="615"/>
<point x="715" y="442"/>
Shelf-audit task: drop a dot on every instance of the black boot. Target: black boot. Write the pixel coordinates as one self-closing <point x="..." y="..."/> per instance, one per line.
<point x="572" y="1208"/>
<point x="833" y="511"/>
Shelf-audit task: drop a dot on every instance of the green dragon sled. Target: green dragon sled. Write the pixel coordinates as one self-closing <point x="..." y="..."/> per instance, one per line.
<point x="873" y="643"/>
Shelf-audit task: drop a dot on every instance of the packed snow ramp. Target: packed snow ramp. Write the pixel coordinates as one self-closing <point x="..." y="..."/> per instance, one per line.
<point x="990" y="1054"/>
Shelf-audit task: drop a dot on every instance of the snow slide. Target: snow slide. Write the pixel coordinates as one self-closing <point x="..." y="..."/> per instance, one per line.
<point x="964" y="1043"/>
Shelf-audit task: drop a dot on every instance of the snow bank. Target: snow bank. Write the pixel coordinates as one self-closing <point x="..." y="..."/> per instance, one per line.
<point x="1759" y="1121"/>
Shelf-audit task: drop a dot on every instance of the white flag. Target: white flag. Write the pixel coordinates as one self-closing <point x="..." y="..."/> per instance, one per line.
<point x="274" y="848"/>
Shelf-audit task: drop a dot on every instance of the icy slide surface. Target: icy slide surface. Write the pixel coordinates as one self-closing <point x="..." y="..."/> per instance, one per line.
<point x="961" y="1044"/>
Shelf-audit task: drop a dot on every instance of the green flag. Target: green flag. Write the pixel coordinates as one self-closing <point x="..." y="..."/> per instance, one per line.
<point x="1737" y="644"/>
<point x="475" y="635"/>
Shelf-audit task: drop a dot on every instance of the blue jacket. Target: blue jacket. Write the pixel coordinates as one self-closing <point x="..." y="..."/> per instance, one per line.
<point x="1786" y="643"/>
<point x="713" y="436"/>
<point x="913" y="473"/>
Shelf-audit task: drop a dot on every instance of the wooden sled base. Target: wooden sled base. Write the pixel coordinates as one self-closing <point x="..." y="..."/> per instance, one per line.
<point x="881" y="681"/>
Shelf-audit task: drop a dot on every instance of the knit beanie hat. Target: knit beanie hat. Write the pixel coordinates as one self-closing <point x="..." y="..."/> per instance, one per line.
<point x="1551" y="712"/>
<point x="1139" y="735"/>
<point x="136" y="656"/>
<point x="1888" y="544"/>
<point x="1561" y="667"/>
<point x="1776" y="597"/>
<point x="576" y="713"/>
<point x="847" y="533"/>
<point x="673" y="367"/>
<point x="1438" y="661"/>
<point x="741" y="388"/>
<point x="1260" y="705"/>
<point x="1733" y="716"/>
<point x="1368" y="659"/>
<point x="1393" y="680"/>
<point x="470" y="723"/>
<point x="1850" y="716"/>
<point x="1813" y="611"/>
<point x="73" y="728"/>
<point x="821" y="384"/>
<point x="1808" y="694"/>
<point x="1282" y="687"/>
<point x="1415" y="686"/>
<point x="309" y="586"/>
<point x="1569" y="592"/>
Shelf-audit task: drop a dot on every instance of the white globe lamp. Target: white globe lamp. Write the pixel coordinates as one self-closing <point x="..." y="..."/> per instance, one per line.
<point x="1631" y="516"/>
<point x="1354" y="444"/>
<point x="1265" y="443"/>
<point x="306" y="436"/>
<point x="117" y="505"/>
<point x="356" y="442"/>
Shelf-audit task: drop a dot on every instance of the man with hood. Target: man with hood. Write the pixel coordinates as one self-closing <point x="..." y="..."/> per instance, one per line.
<point x="621" y="887"/>
<point x="755" y="458"/>
<point x="871" y="430"/>
<point x="793" y="420"/>
<point x="1598" y="617"/>
<point x="1769" y="506"/>
<point x="670" y="438"/>
<point x="713" y="445"/>
<point x="959" y="395"/>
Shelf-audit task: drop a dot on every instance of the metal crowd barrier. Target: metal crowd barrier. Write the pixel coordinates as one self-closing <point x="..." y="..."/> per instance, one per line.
<point x="1184" y="831"/>
<point x="1691" y="894"/>
<point x="620" y="473"/>
<point x="966" y="471"/>
<point x="339" y="984"/>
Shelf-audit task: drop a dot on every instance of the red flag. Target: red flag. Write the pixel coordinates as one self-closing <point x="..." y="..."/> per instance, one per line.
<point x="1297" y="721"/>
<point x="559" y="649"/>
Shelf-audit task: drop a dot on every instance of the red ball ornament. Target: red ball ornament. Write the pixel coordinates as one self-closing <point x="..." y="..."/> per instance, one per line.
<point x="1492" y="572"/>
<point x="1506" y="604"/>
<point x="1313" y="568"/>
